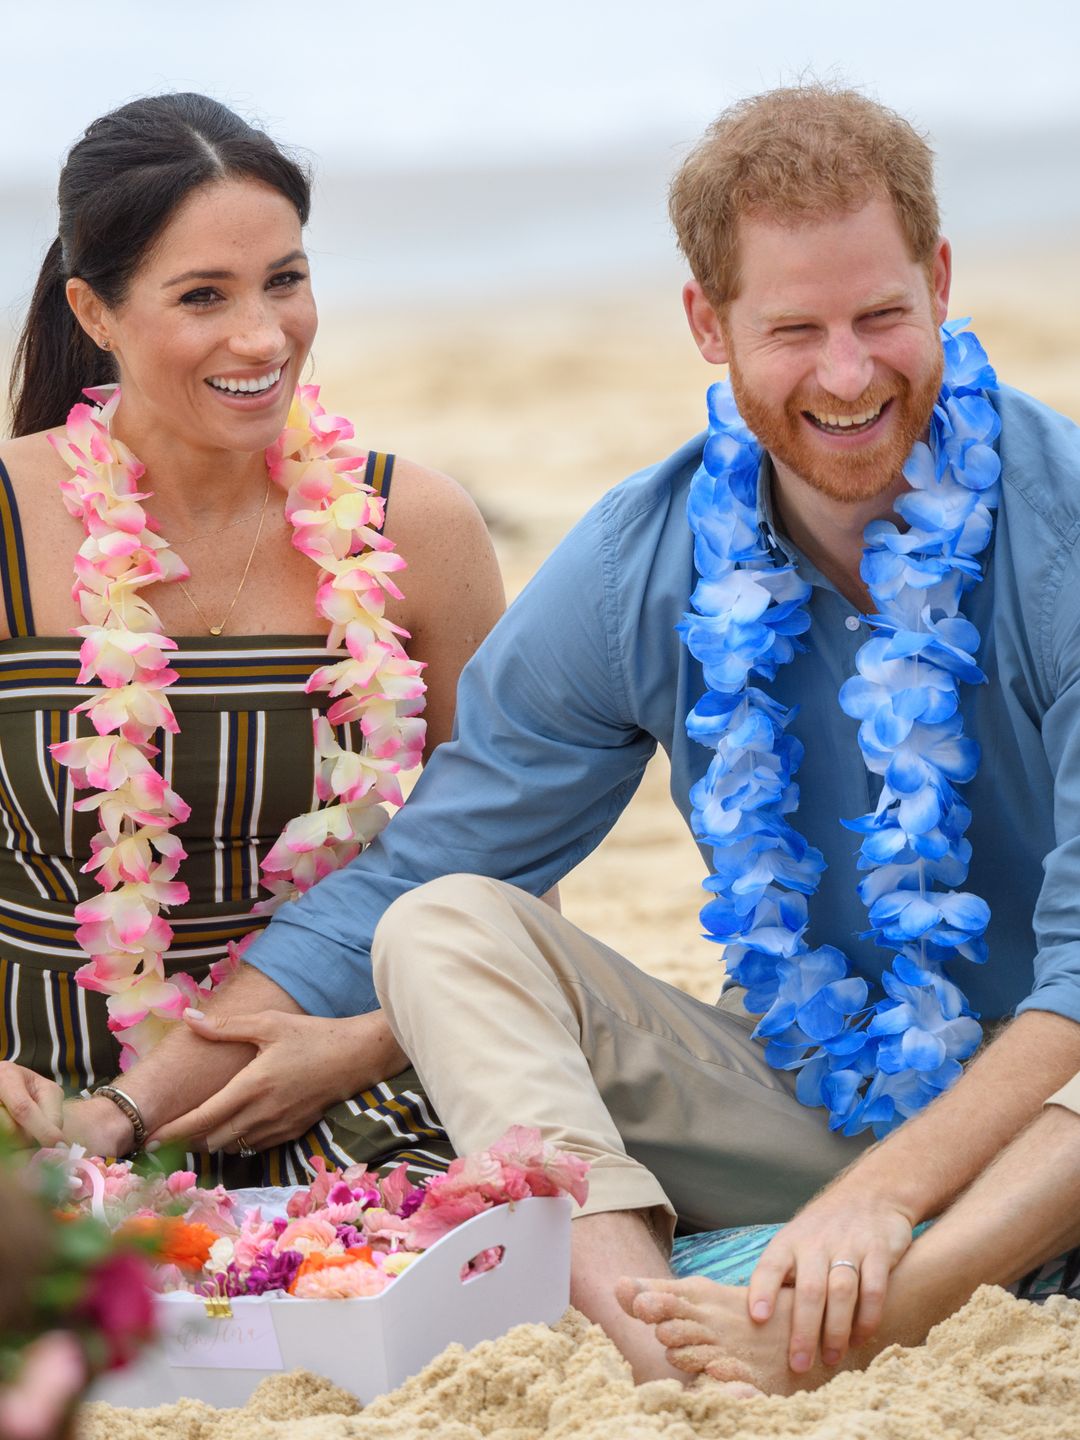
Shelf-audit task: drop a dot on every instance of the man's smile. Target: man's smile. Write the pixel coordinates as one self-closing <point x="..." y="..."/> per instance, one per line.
<point x="858" y="424"/>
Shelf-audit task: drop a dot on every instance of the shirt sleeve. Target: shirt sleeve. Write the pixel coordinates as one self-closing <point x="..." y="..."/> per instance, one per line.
<point x="545" y="756"/>
<point x="1057" y="910"/>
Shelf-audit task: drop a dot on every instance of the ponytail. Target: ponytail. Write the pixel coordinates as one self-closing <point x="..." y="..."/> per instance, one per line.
<point x="55" y="359"/>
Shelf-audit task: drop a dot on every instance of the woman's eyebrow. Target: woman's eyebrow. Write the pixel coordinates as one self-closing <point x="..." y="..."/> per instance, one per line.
<point x="230" y="274"/>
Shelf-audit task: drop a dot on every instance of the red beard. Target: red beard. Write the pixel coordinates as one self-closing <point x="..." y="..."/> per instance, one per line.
<point x="854" y="474"/>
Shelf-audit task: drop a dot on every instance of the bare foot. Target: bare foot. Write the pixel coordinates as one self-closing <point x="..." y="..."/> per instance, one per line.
<point x="604" y="1248"/>
<point x="705" y="1330"/>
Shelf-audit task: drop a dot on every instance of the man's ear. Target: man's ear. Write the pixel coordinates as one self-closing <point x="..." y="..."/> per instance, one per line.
<point x="89" y="311"/>
<point x="704" y="322"/>
<point x="941" y="279"/>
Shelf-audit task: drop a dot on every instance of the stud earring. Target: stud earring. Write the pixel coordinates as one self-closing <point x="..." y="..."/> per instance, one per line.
<point x="106" y="344"/>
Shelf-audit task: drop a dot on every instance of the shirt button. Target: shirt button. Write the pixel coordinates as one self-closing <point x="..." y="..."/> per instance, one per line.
<point x="852" y="622"/>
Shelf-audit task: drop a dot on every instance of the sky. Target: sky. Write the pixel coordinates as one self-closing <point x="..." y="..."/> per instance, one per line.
<point x="365" y="83"/>
<point x="511" y="112"/>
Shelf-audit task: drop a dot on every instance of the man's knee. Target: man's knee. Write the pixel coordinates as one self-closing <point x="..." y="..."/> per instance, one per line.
<point x="419" y="917"/>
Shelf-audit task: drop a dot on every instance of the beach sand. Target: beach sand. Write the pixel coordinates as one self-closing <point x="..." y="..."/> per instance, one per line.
<point x="537" y="408"/>
<point x="1000" y="1369"/>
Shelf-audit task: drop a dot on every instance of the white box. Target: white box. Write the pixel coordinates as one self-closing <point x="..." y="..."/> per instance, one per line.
<point x="368" y="1345"/>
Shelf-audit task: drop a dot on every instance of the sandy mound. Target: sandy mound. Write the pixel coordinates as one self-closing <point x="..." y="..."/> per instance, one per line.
<point x="1000" y="1368"/>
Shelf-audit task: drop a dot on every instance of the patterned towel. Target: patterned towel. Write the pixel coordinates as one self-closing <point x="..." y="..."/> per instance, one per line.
<point x="729" y="1257"/>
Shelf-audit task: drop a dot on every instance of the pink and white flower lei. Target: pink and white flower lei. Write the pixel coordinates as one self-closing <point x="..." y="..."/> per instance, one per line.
<point x="336" y="520"/>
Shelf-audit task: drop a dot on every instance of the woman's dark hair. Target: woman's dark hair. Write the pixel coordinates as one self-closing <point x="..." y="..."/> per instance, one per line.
<point x="119" y="188"/>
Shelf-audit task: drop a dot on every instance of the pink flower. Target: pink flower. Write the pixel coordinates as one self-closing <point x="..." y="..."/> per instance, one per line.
<point x="50" y="1376"/>
<point x="441" y="1213"/>
<point x="120" y="1306"/>
<point x="379" y="1224"/>
<point x="255" y="1234"/>
<point x="168" y="1278"/>
<point x="486" y="1260"/>
<point x="545" y="1170"/>
<point x="343" y="1282"/>
<point x="180" y="1182"/>
<point x="213" y="1208"/>
<point x="308" y="1233"/>
<point x="397" y="1188"/>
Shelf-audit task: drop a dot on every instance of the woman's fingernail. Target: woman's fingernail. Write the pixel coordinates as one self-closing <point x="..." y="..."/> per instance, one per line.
<point x="800" y="1362"/>
<point x="192" y="1014"/>
<point x="831" y="1357"/>
<point x="760" y="1310"/>
<point x="151" y="1146"/>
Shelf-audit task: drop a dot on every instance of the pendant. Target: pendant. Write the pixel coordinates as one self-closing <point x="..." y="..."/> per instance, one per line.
<point x="216" y="629"/>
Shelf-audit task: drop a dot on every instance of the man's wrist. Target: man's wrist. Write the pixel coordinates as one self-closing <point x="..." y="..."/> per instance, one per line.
<point x="128" y="1108"/>
<point x="99" y="1125"/>
<point x="874" y="1181"/>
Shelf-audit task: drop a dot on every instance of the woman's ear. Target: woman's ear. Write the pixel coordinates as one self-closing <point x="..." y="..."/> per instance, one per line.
<point x="90" y="311"/>
<point x="704" y="322"/>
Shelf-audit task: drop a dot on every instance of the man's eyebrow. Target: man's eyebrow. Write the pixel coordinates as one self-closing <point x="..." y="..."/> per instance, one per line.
<point x="189" y="275"/>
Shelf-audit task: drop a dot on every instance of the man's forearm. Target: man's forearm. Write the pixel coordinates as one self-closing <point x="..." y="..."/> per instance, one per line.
<point x="1020" y="1212"/>
<point x="925" y="1164"/>
<point x="184" y="1070"/>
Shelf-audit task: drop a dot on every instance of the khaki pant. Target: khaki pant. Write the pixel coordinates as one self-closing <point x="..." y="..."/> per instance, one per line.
<point x="1068" y="1095"/>
<point x="511" y="1015"/>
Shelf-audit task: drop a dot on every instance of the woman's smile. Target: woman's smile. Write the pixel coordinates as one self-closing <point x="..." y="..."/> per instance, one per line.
<point x="249" y="391"/>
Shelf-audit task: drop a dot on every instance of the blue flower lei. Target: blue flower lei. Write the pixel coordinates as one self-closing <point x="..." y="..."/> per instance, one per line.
<point x="871" y="1061"/>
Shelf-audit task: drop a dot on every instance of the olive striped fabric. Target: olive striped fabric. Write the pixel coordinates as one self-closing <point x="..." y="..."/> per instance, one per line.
<point x="244" y="761"/>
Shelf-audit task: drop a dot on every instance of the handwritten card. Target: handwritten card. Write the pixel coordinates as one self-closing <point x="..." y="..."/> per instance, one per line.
<point x="192" y="1340"/>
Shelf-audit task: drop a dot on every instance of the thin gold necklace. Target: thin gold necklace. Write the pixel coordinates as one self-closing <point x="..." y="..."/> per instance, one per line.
<point x="205" y="535"/>
<point x="217" y="629"/>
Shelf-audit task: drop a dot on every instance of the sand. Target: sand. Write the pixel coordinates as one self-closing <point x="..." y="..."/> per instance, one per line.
<point x="537" y="408"/>
<point x="1000" y="1368"/>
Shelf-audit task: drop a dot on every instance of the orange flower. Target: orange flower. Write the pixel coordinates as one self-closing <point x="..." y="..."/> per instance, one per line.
<point x="318" y="1261"/>
<point x="179" y="1242"/>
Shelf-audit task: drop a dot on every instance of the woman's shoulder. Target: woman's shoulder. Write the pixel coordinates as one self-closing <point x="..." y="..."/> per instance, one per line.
<point x="30" y="459"/>
<point x="426" y="509"/>
<point x="439" y="532"/>
<point x="39" y="536"/>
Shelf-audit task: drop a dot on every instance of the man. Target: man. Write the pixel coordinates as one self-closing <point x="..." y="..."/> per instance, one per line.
<point x="820" y="278"/>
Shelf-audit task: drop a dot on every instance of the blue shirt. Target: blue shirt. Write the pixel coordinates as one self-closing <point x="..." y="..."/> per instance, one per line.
<point x="562" y="706"/>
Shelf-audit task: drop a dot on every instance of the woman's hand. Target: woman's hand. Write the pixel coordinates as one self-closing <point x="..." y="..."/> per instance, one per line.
<point x="303" y="1066"/>
<point x="835" y="1305"/>
<point x="32" y="1106"/>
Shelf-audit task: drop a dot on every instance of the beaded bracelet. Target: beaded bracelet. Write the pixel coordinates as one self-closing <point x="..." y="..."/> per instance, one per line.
<point x="129" y="1110"/>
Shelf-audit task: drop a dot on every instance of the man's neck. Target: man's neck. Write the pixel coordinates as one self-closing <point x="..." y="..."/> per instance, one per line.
<point x="830" y="532"/>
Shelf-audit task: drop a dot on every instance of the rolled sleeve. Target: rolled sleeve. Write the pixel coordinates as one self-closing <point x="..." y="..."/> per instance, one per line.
<point x="1068" y="1096"/>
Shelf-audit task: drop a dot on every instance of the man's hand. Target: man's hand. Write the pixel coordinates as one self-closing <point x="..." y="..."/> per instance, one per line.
<point x="32" y="1106"/>
<point x="834" y="1304"/>
<point x="303" y="1066"/>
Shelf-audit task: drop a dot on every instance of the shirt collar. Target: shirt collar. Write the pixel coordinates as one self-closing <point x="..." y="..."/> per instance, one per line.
<point x="774" y="537"/>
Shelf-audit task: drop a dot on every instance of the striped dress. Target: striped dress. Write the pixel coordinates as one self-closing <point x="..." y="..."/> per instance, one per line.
<point x="244" y="761"/>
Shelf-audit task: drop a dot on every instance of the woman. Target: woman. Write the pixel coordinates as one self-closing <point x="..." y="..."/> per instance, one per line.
<point x="179" y="272"/>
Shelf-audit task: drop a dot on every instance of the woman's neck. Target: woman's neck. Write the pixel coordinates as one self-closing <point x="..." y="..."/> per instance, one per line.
<point x="194" y="486"/>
